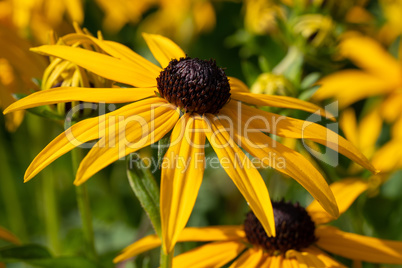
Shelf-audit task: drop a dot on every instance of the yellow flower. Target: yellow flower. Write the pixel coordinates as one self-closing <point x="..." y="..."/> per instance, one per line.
<point x="380" y="74"/>
<point x="195" y="100"/>
<point x="17" y="67"/>
<point x="302" y="239"/>
<point x="272" y="84"/>
<point x="38" y="17"/>
<point x="392" y="10"/>
<point x="120" y="12"/>
<point x="181" y="20"/>
<point x="261" y="16"/>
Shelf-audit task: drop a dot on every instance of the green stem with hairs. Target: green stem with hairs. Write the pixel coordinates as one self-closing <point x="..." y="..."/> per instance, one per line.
<point x="84" y="208"/>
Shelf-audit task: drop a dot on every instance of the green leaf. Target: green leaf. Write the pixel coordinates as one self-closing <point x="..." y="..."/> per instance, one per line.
<point x="22" y="253"/>
<point x="145" y="188"/>
<point x="64" y="262"/>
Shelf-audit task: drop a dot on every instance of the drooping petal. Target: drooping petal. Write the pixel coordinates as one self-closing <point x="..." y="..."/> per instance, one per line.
<point x="133" y="132"/>
<point x="327" y="260"/>
<point x="67" y="94"/>
<point x="182" y="173"/>
<point x="81" y="132"/>
<point x="242" y="172"/>
<point x="349" y="86"/>
<point x="379" y="63"/>
<point x="283" y="159"/>
<point x="251" y="258"/>
<point x="218" y="233"/>
<point x="8" y="236"/>
<point x="305" y="259"/>
<point x="299" y="129"/>
<point x="102" y="65"/>
<point x="163" y="49"/>
<point x="359" y="247"/>
<point x="116" y="50"/>
<point x="345" y="191"/>
<point x="214" y="254"/>
<point x="389" y="156"/>
<point x="144" y="244"/>
<point x="280" y="101"/>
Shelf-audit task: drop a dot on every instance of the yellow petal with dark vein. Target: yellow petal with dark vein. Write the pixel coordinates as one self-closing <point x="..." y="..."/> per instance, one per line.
<point x="182" y="173"/>
<point x="327" y="260"/>
<point x="133" y="132"/>
<point x="102" y="65"/>
<point x="81" y="132"/>
<point x="67" y="94"/>
<point x="251" y="258"/>
<point x="242" y="172"/>
<point x="299" y="129"/>
<point x="305" y="259"/>
<point x="280" y="101"/>
<point x="237" y="85"/>
<point x="215" y="254"/>
<point x="359" y="247"/>
<point x="163" y="49"/>
<point x="285" y="160"/>
<point x="345" y="191"/>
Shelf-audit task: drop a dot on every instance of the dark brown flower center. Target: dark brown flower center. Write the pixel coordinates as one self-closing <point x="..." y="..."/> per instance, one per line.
<point x="194" y="85"/>
<point x="294" y="229"/>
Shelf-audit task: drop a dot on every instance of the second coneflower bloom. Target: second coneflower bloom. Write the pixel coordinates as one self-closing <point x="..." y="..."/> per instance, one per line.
<point x="195" y="100"/>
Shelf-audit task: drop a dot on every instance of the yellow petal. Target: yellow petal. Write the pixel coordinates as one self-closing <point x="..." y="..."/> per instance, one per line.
<point x="215" y="254"/>
<point x="305" y="259"/>
<point x="250" y="258"/>
<point x="280" y="101"/>
<point x="8" y="236"/>
<point x="144" y="244"/>
<point x="348" y="124"/>
<point x="389" y="156"/>
<point x="134" y="131"/>
<point x="327" y="260"/>
<point x="349" y="86"/>
<point x="237" y="85"/>
<point x="163" y="49"/>
<point x="218" y="233"/>
<point x="369" y="130"/>
<point x="391" y="107"/>
<point x="67" y="94"/>
<point x="116" y="50"/>
<point x="371" y="56"/>
<point x="79" y="133"/>
<point x="299" y="129"/>
<point x="277" y="262"/>
<point x="283" y="159"/>
<point x="102" y="65"/>
<point x="182" y="173"/>
<point x="346" y="191"/>
<point x="358" y="247"/>
<point x="242" y="172"/>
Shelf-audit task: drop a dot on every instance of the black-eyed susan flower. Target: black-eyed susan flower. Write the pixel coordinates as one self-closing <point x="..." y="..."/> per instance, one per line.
<point x="195" y="100"/>
<point x="379" y="75"/>
<point x="302" y="239"/>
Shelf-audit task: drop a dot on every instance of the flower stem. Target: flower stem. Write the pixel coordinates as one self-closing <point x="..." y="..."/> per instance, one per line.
<point x="166" y="259"/>
<point x="84" y="208"/>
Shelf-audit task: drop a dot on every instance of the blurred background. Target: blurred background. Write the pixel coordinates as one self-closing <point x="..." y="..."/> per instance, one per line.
<point x="275" y="47"/>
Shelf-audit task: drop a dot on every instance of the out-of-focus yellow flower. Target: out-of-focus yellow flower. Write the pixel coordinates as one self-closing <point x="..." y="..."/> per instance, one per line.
<point x="180" y="20"/>
<point x="316" y="29"/>
<point x="302" y="239"/>
<point x="261" y="16"/>
<point x="38" y="17"/>
<point x="272" y="84"/>
<point x="17" y="68"/>
<point x="392" y="10"/>
<point x="120" y="12"/>
<point x="380" y="74"/>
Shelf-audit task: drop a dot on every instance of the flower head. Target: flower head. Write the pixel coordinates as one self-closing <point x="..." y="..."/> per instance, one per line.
<point x="186" y="105"/>
<point x="302" y="239"/>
